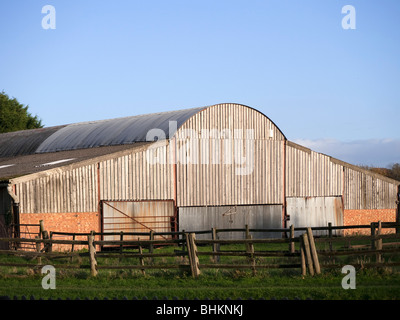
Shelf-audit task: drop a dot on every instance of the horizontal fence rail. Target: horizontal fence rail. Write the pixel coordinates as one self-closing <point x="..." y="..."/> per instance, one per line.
<point x="307" y="253"/>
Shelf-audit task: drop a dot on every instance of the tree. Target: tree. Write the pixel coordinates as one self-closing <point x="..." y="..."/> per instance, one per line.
<point x="15" y="116"/>
<point x="394" y="171"/>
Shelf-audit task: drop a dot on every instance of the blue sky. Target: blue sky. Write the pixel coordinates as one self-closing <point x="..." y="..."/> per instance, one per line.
<point x="325" y="87"/>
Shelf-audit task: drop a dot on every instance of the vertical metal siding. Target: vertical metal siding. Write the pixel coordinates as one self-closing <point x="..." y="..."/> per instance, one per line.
<point x="133" y="177"/>
<point x="210" y="178"/>
<point x="124" y="177"/>
<point x="210" y="146"/>
<point x="60" y="191"/>
<point x="212" y="183"/>
<point x="364" y="191"/>
<point x="315" y="212"/>
<point x="231" y="217"/>
<point x="311" y="174"/>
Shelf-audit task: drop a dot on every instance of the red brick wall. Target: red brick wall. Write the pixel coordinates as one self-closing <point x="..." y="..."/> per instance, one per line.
<point x="365" y="217"/>
<point x="82" y="222"/>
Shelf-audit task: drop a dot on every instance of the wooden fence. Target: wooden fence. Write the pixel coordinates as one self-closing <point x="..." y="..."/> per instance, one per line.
<point x="307" y="253"/>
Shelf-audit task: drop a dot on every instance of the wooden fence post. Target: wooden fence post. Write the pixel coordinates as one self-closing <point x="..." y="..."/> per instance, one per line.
<point x="73" y="247"/>
<point x="192" y="252"/>
<point x="41" y="223"/>
<point x="308" y="254"/>
<point x="141" y="259"/>
<point x="151" y="236"/>
<point x="372" y="235"/>
<point x="48" y="247"/>
<point x="330" y="235"/>
<point x="247" y="231"/>
<point x="92" y="256"/>
<point x="39" y="258"/>
<point x="214" y="245"/>
<point x="250" y="251"/>
<point x="379" y="243"/>
<point x="151" y="246"/>
<point x="45" y="235"/>
<point x="121" y="238"/>
<point x="247" y="236"/>
<point x="302" y="257"/>
<point x="313" y="249"/>
<point x="291" y="244"/>
<point x="183" y="238"/>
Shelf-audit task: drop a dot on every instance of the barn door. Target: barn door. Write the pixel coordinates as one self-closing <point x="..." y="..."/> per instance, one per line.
<point x="231" y="217"/>
<point x="138" y="217"/>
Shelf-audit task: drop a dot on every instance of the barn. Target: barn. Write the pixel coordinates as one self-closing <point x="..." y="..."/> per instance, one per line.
<point x="225" y="165"/>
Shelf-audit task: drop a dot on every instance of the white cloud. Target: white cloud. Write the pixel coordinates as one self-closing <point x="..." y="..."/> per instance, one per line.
<point x="372" y="152"/>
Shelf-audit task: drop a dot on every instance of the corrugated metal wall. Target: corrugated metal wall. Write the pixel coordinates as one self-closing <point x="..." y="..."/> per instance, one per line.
<point x="213" y="150"/>
<point x="366" y="191"/>
<point x="229" y="154"/>
<point x="126" y="177"/>
<point x="231" y="217"/>
<point x="138" y="176"/>
<point x="223" y="184"/>
<point x="232" y="116"/>
<point x="311" y="174"/>
<point x="73" y="190"/>
<point x="315" y="212"/>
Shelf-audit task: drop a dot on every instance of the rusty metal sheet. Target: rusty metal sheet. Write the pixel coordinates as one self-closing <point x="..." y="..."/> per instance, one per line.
<point x="314" y="212"/>
<point x="138" y="216"/>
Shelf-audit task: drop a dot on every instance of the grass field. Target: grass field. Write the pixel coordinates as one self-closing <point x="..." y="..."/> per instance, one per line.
<point x="233" y="285"/>
<point x="371" y="284"/>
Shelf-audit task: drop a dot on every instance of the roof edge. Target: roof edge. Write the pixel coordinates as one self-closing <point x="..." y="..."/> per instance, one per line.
<point x="345" y="164"/>
<point x="27" y="177"/>
<point x="237" y="104"/>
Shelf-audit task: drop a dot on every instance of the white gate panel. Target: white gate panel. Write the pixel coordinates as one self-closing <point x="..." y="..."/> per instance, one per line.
<point x="314" y="212"/>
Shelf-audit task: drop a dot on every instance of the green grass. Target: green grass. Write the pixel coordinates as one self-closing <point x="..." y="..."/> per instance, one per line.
<point x="371" y="284"/>
<point x="220" y="285"/>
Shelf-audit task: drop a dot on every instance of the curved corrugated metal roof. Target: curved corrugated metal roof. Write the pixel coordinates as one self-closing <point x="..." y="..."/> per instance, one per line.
<point x="112" y="132"/>
<point x="83" y="135"/>
<point x="119" y="131"/>
<point x="24" y="142"/>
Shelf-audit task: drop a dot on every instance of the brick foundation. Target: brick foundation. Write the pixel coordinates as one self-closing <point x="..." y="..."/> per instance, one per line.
<point x="82" y="222"/>
<point x="365" y="217"/>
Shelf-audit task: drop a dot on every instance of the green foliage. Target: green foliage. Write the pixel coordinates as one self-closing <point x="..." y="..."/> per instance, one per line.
<point x="15" y="116"/>
<point x="392" y="171"/>
<point x="395" y="171"/>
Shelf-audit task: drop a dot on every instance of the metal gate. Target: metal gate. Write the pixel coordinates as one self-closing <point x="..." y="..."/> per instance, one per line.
<point x="138" y="216"/>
